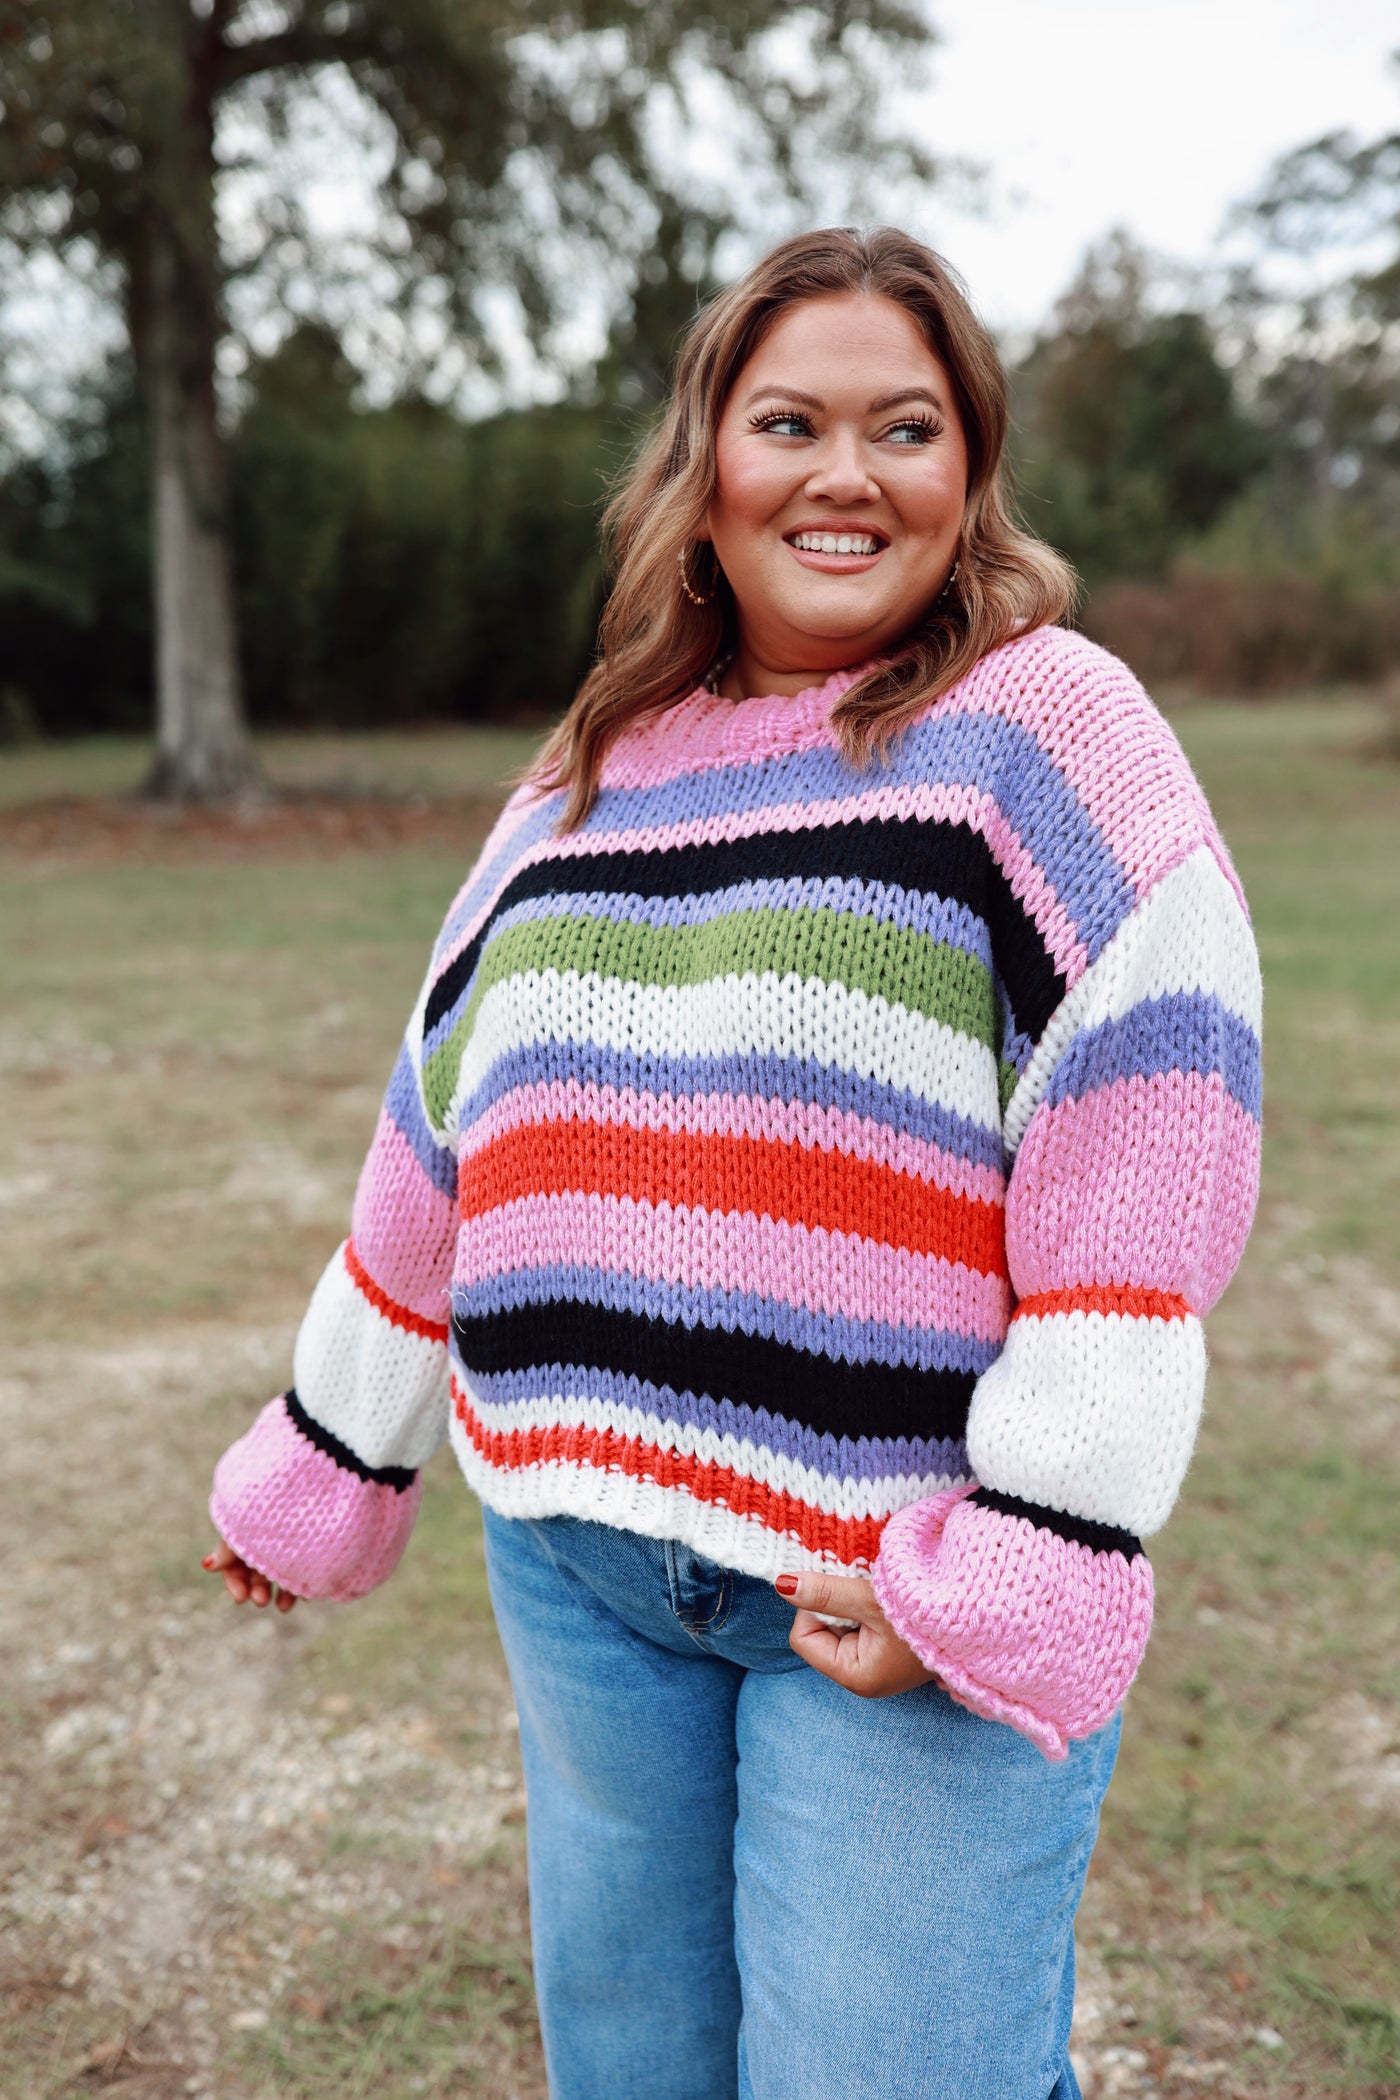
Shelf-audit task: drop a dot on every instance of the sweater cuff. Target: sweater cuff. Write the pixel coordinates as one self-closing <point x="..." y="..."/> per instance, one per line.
<point x="1029" y="1616"/>
<point x="295" y="1503"/>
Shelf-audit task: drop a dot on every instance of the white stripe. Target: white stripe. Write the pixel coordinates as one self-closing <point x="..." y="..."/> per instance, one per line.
<point x="381" y="1389"/>
<point x="562" y="1489"/>
<point x="1188" y="934"/>
<point x="1091" y="1413"/>
<point x="763" y="1015"/>
<point x="832" y="1493"/>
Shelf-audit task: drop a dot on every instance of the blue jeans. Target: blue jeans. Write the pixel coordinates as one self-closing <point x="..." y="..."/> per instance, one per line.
<point x="748" y="1884"/>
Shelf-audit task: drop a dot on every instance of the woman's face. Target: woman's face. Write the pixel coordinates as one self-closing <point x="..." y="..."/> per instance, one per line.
<point x="842" y="427"/>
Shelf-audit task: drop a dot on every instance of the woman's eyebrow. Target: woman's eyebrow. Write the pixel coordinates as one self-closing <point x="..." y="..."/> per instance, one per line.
<point x="784" y="393"/>
<point x="876" y="408"/>
<point x="908" y="393"/>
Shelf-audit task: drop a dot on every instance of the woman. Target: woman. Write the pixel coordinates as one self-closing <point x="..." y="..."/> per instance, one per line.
<point x="832" y="1104"/>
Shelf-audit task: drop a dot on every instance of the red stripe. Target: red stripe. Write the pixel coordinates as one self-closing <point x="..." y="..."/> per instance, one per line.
<point x="853" y="1541"/>
<point x="798" y="1184"/>
<point x="397" y="1315"/>
<point x="1125" y="1298"/>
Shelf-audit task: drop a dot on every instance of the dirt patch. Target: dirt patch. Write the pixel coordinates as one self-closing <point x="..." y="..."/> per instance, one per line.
<point x="92" y="830"/>
<point x="207" y="1848"/>
<point x="1366" y="1748"/>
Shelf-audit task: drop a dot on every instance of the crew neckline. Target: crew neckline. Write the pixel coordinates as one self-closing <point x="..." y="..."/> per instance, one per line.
<point x="780" y="715"/>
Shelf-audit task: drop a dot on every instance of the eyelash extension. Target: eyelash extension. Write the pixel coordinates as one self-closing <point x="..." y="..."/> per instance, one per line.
<point x="767" y="418"/>
<point x="929" y="425"/>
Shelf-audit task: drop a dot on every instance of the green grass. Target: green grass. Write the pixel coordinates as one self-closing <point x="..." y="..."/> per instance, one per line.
<point x="190" y="1063"/>
<point x="1233" y="1836"/>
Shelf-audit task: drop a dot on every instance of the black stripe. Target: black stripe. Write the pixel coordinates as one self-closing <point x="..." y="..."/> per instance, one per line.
<point x="944" y="860"/>
<point x="816" y="1392"/>
<point x="396" y="1477"/>
<point x="1100" y="1538"/>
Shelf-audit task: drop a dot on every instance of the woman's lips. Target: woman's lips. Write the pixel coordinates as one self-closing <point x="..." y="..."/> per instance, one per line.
<point x="850" y="563"/>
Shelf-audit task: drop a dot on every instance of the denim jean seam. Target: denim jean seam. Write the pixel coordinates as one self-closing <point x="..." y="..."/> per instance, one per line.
<point x="1083" y="1853"/>
<point x="673" y="1585"/>
<point x="724" y="1604"/>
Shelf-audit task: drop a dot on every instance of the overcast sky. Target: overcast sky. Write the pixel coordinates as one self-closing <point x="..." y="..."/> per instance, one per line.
<point x="1156" y="114"/>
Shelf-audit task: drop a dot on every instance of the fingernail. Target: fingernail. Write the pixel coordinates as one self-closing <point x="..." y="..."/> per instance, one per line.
<point x="786" y="1585"/>
<point x="208" y="1561"/>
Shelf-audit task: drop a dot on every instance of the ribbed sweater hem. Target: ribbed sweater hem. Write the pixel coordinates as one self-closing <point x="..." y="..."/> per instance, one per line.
<point x="565" y="1488"/>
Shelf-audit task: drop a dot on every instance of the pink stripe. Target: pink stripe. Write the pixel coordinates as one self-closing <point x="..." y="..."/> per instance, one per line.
<point x="300" y="1519"/>
<point x="1029" y="884"/>
<point x="703" y="733"/>
<point x="522" y="804"/>
<point x="1088" y="712"/>
<point x="1082" y="705"/>
<point x="403" y="1227"/>
<point x="736" y="1115"/>
<point x="1021" y="1625"/>
<point x="893" y="801"/>
<point x="1232" y="1204"/>
<point x="799" y="1265"/>
<point x="1148" y="1181"/>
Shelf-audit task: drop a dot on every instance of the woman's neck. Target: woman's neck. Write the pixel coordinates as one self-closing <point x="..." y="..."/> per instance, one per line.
<point x="746" y="676"/>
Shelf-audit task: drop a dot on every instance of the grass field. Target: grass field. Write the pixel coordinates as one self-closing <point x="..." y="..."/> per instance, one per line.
<point x="252" y="1858"/>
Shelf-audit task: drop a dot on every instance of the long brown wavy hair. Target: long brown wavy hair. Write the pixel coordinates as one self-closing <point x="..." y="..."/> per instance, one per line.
<point x="655" y="646"/>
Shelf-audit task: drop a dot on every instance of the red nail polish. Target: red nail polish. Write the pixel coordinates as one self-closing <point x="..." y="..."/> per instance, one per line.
<point x="786" y="1585"/>
<point x="208" y="1561"/>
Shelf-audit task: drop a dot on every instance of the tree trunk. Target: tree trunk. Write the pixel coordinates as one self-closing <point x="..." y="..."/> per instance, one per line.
<point x="203" y="750"/>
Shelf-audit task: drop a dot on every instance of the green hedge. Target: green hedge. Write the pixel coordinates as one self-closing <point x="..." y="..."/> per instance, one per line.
<point x="392" y="564"/>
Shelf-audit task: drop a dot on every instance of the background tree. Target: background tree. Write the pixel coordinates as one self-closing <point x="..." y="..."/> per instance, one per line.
<point x="513" y="147"/>
<point x="1133" y="441"/>
<point x="1325" y="355"/>
<point x="399" y="563"/>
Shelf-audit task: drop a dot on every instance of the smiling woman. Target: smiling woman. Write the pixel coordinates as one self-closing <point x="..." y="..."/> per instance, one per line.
<point x="826" y="301"/>
<point x="841" y="483"/>
<point x="832" y="1105"/>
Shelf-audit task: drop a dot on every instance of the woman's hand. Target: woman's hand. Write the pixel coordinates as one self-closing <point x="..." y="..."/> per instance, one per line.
<point x="871" y="1661"/>
<point x="243" y="1582"/>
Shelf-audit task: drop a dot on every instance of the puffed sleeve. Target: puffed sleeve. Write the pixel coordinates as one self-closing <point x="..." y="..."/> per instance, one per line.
<point x="1134" y="1133"/>
<point x="321" y="1492"/>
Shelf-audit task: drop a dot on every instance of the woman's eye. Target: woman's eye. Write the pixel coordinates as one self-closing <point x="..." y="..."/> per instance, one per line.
<point x="784" y="425"/>
<point x="915" y="432"/>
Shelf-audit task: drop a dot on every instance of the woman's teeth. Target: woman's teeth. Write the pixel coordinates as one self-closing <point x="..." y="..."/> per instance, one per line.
<point x="835" y="543"/>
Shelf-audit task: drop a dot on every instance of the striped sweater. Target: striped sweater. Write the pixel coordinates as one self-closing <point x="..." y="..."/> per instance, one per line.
<point x="822" y="1167"/>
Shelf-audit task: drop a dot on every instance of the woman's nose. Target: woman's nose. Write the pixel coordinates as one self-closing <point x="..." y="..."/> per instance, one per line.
<point x="841" y="473"/>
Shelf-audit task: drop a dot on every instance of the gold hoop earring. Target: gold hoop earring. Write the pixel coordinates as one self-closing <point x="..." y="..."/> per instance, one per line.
<point x="693" y="596"/>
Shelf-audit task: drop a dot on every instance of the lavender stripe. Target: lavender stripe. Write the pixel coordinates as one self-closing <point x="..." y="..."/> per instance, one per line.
<point x="404" y="1105"/>
<point x="885" y="904"/>
<point x="832" y="1335"/>
<point x="1180" y="1032"/>
<point x="491" y="875"/>
<point x="768" y="1077"/>
<point x="1004" y="760"/>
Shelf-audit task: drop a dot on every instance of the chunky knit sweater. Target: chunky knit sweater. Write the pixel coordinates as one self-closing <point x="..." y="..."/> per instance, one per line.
<point x="827" y="1168"/>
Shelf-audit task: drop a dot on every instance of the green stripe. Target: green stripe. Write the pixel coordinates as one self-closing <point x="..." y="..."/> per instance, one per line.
<point x="930" y="977"/>
<point x="1008" y="1079"/>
